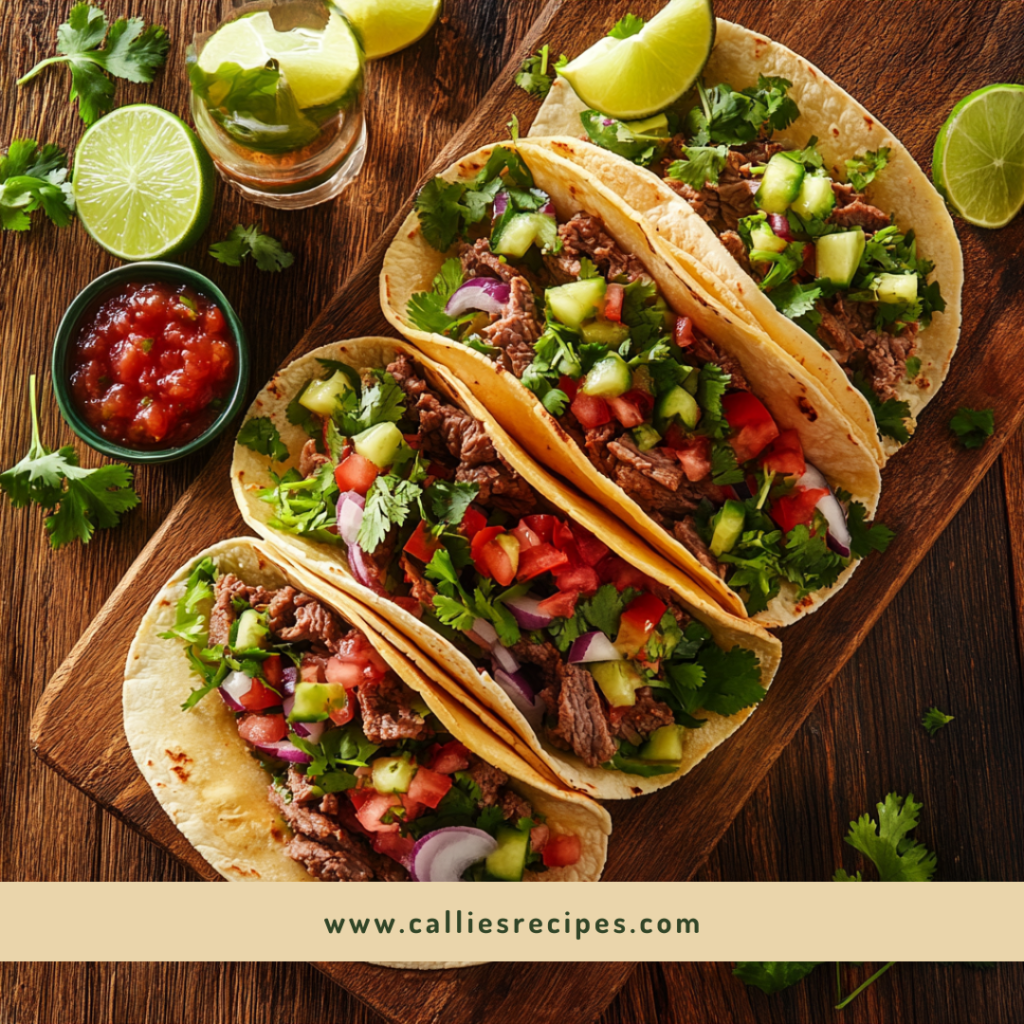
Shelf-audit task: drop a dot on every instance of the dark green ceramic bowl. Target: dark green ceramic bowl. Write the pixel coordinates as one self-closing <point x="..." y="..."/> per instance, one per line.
<point x="67" y="334"/>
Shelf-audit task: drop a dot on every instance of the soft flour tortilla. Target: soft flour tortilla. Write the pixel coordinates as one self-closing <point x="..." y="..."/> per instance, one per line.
<point x="796" y="399"/>
<point x="844" y="130"/>
<point x="435" y="656"/>
<point x="201" y="770"/>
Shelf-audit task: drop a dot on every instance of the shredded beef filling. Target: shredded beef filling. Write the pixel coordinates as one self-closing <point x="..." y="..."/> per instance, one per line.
<point x="635" y="724"/>
<point x="585" y="235"/>
<point x="228" y="588"/>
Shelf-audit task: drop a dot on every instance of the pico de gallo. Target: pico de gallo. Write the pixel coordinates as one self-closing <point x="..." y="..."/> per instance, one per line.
<point x="827" y="258"/>
<point x="652" y="402"/>
<point x="598" y="658"/>
<point x="152" y="366"/>
<point x="366" y="777"/>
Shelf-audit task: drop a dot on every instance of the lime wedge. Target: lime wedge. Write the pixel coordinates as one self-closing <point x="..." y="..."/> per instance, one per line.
<point x="978" y="164"/>
<point x="635" y="77"/>
<point x="143" y="183"/>
<point x="387" y="26"/>
<point x="320" y="66"/>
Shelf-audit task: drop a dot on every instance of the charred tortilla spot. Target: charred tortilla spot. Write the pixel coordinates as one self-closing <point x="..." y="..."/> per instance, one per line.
<point x="636" y="790"/>
<point x="163" y="604"/>
<point x="250" y="873"/>
<point x="805" y="603"/>
<point x="807" y="409"/>
<point x="183" y="775"/>
<point x="868" y="121"/>
<point x="179" y="758"/>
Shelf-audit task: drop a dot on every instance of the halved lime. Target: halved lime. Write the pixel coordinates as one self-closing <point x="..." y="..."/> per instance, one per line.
<point x="638" y="76"/>
<point x="143" y="183"/>
<point x="319" y="65"/>
<point x="978" y="164"/>
<point x="387" y="26"/>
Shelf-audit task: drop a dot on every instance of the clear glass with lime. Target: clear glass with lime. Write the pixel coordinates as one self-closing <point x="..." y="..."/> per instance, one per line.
<point x="277" y="99"/>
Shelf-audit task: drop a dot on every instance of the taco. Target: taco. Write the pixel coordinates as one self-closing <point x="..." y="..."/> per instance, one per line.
<point x="578" y="331"/>
<point x="595" y="659"/>
<point x="785" y="197"/>
<point x="289" y="742"/>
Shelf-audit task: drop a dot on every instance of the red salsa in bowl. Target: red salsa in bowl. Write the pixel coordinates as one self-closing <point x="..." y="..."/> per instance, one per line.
<point x="152" y="365"/>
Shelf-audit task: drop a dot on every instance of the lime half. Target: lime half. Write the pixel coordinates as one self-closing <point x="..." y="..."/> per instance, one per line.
<point x="978" y="163"/>
<point x="143" y="183"/>
<point x="320" y="66"/>
<point x="387" y="26"/>
<point x="638" y="76"/>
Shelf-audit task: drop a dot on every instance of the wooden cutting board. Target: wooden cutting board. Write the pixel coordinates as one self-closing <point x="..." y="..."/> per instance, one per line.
<point x="77" y="729"/>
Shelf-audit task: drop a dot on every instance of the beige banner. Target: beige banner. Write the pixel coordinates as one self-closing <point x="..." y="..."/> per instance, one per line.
<point x="448" y="922"/>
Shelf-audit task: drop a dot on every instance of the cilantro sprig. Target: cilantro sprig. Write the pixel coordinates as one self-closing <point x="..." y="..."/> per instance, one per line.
<point x="933" y="720"/>
<point x="270" y="255"/>
<point x="887" y="843"/>
<point x="34" y="177"/>
<point x="535" y="78"/>
<point x="973" y="427"/>
<point x="80" y="500"/>
<point x="733" y="118"/>
<point x="132" y="52"/>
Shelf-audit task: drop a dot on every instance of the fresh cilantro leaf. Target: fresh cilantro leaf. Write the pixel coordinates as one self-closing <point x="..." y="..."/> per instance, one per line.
<point x="604" y="610"/>
<point x="863" y="538"/>
<point x="34" y="177"/>
<point x="784" y="264"/>
<point x="913" y="368"/>
<point x="732" y="680"/>
<point x="440" y="211"/>
<point x="772" y="976"/>
<point x="725" y="469"/>
<point x="934" y="720"/>
<point x="81" y="500"/>
<point x="244" y="241"/>
<point x="888" y="845"/>
<point x="190" y="620"/>
<point x="617" y="137"/>
<point x="388" y="505"/>
<point x="714" y="382"/>
<point x="426" y="310"/>
<point x="703" y="165"/>
<point x="132" y="52"/>
<point x="630" y="25"/>
<point x="261" y="436"/>
<point x="890" y="416"/>
<point x="863" y="169"/>
<point x="842" y="875"/>
<point x="734" y="118"/>
<point x="449" y="501"/>
<point x="973" y="426"/>
<point x="534" y="77"/>
<point x="629" y="764"/>
<point x="795" y="300"/>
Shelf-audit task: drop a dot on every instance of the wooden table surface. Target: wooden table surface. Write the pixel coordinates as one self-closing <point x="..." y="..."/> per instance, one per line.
<point x="952" y="637"/>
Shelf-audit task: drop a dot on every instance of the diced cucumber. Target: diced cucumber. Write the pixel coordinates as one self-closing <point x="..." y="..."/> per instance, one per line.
<point x="608" y="378"/>
<point x="577" y="301"/>
<point x="392" y="774"/>
<point x="642" y="379"/>
<point x="379" y="444"/>
<point x="780" y="185"/>
<point x="645" y="436"/>
<point x="692" y="382"/>
<point x="729" y="525"/>
<point x="252" y="631"/>
<point x="515" y="234"/>
<point x="896" y="289"/>
<point x="508" y="862"/>
<point x="816" y="198"/>
<point x="322" y="396"/>
<point x="314" y="702"/>
<point x="677" y="402"/>
<point x="762" y="237"/>
<point x="618" y="680"/>
<point x="838" y="256"/>
<point x="657" y="126"/>
<point x="664" y="744"/>
<point x="605" y="332"/>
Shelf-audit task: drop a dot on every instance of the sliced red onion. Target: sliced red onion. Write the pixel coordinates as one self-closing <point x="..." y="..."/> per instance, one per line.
<point x="839" y="538"/>
<point x="500" y="205"/>
<point x="484" y="293"/>
<point x="548" y="209"/>
<point x="311" y="731"/>
<point x="780" y="225"/>
<point x="504" y="659"/>
<point x="236" y="686"/>
<point x="594" y="646"/>
<point x="444" y="855"/>
<point x="361" y="568"/>
<point x="350" y="516"/>
<point x="232" y="704"/>
<point x="529" y="704"/>
<point x="486" y="632"/>
<point x="525" y="610"/>
<point x="289" y="680"/>
<point x="607" y="122"/>
<point x="285" y="750"/>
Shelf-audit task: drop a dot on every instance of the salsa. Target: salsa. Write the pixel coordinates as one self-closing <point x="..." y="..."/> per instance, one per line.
<point x="152" y="365"/>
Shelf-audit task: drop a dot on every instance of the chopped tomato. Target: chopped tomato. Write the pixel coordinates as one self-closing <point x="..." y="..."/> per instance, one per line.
<point x="613" y="303"/>
<point x="256" y="729"/>
<point x="440" y="471"/>
<point x="472" y="522"/>
<point x="495" y="554"/>
<point x="590" y="411"/>
<point x="349" y="673"/>
<point x="632" y="408"/>
<point x="374" y="806"/>
<point x="618" y="571"/>
<point x="785" y="455"/>
<point x="694" y="455"/>
<point x="590" y="548"/>
<point x="542" y="525"/>
<point x="428" y="786"/>
<point x="569" y="386"/>
<point x="562" y="536"/>
<point x="675" y="436"/>
<point x="541" y="559"/>
<point x="583" y="579"/>
<point x="393" y="845"/>
<point x="451" y="757"/>
<point x="259" y="698"/>
<point x="356" y="474"/>
<point x="312" y="670"/>
<point x="796" y="509"/>
<point x="342" y="716"/>
<point x="683" y="333"/>
<point x="273" y="671"/>
<point x="414" y="441"/>
<point x="527" y="538"/>
<point x="561" y="605"/>
<point x="413" y="809"/>
<point x="753" y="423"/>
<point x="421" y="544"/>
<point x="539" y="836"/>
<point x="562" y="851"/>
<point x="638" y="622"/>
<point x="356" y="648"/>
